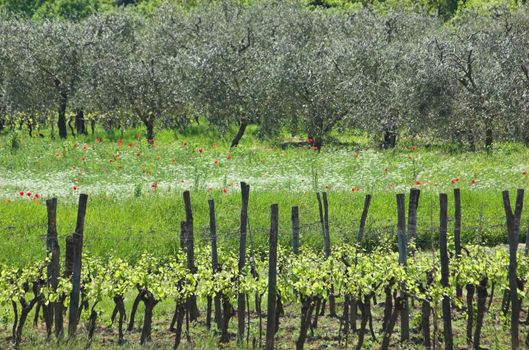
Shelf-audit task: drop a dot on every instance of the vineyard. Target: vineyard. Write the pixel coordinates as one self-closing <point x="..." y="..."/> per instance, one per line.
<point x="377" y="137"/>
<point x="352" y="294"/>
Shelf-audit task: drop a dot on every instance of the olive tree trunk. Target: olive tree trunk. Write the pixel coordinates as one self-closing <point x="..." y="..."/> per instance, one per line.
<point x="240" y="133"/>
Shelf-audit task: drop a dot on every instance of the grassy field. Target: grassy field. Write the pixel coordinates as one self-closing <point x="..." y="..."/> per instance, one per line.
<point x="122" y="167"/>
<point x="136" y="202"/>
<point x="135" y="205"/>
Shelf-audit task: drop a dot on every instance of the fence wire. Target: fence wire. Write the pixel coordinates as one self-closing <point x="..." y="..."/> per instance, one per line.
<point x="341" y="232"/>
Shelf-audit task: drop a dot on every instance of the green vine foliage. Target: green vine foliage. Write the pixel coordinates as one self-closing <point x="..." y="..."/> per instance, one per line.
<point x="349" y="271"/>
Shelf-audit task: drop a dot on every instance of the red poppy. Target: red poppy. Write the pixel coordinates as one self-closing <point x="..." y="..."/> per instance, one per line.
<point x="355" y="189"/>
<point x="21" y="193"/>
<point x="173" y="161"/>
<point x="137" y="154"/>
<point x="120" y="142"/>
<point x="473" y="182"/>
<point x="225" y="190"/>
<point x="36" y="196"/>
<point x="83" y="159"/>
<point x="309" y="140"/>
<point x="314" y="148"/>
<point x="215" y="162"/>
<point x="28" y="194"/>
<point x="229" y="157"/>
<point x="455" y="180"/>
<point x="75" y="188"/>
<point x="85" y="147"/>
<point x="98" y="139"/>
<point x="200" y="150"/>
<point x="413" y="148"/>
<point x="131" y="145"/>
<point x="111" y="160"/>
<point x="418" y="183"/>
<point x="150" y="140"/>
<point x="116" y="156"/>
<point x="154" y="186"/>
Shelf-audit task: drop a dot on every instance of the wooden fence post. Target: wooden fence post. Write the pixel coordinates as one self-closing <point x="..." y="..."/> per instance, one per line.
<point x="214" y="258"/>
<point x="526" y="249"/>
<point x="403" y="256"/>
<point x="73" y="312"/>
<point x="326" y="225"/>
<point x="177" y="316"/>
<point x="443" y="247"/>
<point x="363" y="219"/>
<point x="457" y="233"/>
<point x="241" y="298"/>
<point x="68" y="258"/>
<point x="320" y="308"/>
<point x="77" y="254"/>
<point x="68" y="271"/>
<point x="401" y="228"/>
<point x="513" y="229"/>
<point x="272" y="277"/>
<point x="192" y="301"/>
<point x="353" y="305"/>
<point x="81" y="214"/>
<point x="412" y="213"/>
<point x="54" y="267"/>
<point x="183" y="236"/>
<point x="295" y="230"/>
<point x="322" y="223"/>
<point x="332" y="303"/>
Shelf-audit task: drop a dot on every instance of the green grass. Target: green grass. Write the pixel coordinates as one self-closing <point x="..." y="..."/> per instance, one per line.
<point x="127" y="215"/>
<point x="54" y="167"/>
<point x="152" y="222"/>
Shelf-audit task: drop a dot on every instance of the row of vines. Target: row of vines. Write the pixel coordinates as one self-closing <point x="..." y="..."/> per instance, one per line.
<point x="351" y="281"/>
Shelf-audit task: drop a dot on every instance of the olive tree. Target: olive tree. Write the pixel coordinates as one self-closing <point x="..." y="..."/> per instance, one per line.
<point x="235" y="65"/>
<point x="387" y="71"/>
<point x="22" y="101"/>
<point x="318" y="73"/>
<point x="46" y="59"/>
<point x="476" y="56"/>
<point x="113" y="38"/>
<point x="131" y="74"/>
<point x="433" y="95"/>
<point x="517" y="56"/>
<point x="4" y="64"/>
